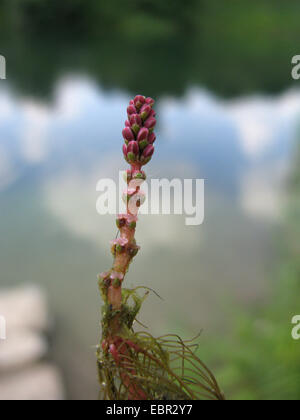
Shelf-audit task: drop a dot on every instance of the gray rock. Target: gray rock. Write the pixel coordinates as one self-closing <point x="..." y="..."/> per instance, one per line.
<point x="21" y="348"/>
<point x="24" y="308"/>
<point x="39" y="383"/>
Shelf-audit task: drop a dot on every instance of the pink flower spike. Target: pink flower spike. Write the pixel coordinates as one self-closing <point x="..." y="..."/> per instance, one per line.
<point x="150" y="123"/>
<point x="128" y="134"/>
<point x="127" y="123"/>
<point x="148" y="152"/>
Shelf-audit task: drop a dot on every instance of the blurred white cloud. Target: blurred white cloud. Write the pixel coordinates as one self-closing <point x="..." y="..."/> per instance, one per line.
<point x="263" y="191"/>
<point x="258" y="120"/>
<point x="34" y="132"/>
<point x="73" y="96"/>
<point x="261" y="120"/>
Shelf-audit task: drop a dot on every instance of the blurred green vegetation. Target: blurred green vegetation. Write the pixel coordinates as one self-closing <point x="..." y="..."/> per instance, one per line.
<point x="231" y="47"/>
<point x="258" y="358"/>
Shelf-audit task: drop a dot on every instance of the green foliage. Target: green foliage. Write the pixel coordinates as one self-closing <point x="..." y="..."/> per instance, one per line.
<point x="153" y="46"/>
<point x="259" y="359"/>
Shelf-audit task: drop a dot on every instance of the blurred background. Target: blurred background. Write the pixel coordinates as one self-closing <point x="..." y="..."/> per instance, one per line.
<point x="228" y="111"/>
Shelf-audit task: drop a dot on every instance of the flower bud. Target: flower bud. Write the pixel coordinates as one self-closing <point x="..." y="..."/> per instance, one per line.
<point x="150" y="123"/>
<point x="125" y="149"/>
<point x="143" y="138"/>
<point x="131" y="110"/>
<point x="145" y="111"/>
<point x="132" y="151"/>
<point x="119" y="244"/>
<point x="139" y="100"/>
<point x="116" y="275"/>
<point x="152" y="138"/>
<point x="135" y="119"/>
<point x="152" y="113"/>
<point x="136" y="123"/>
<point x="128" y="134"/>
<point x="122" y="241"/>
<point x="133" y="147"/>
<point x="104" y="279"/>
<point x="148" y="152"/>
<point x="127" y="123"/>
<point x="104" y="275"/>
<point x="150" y="101"/>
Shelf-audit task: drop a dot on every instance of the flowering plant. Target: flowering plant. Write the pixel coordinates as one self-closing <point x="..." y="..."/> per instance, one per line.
<point x="134" y="365"/>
